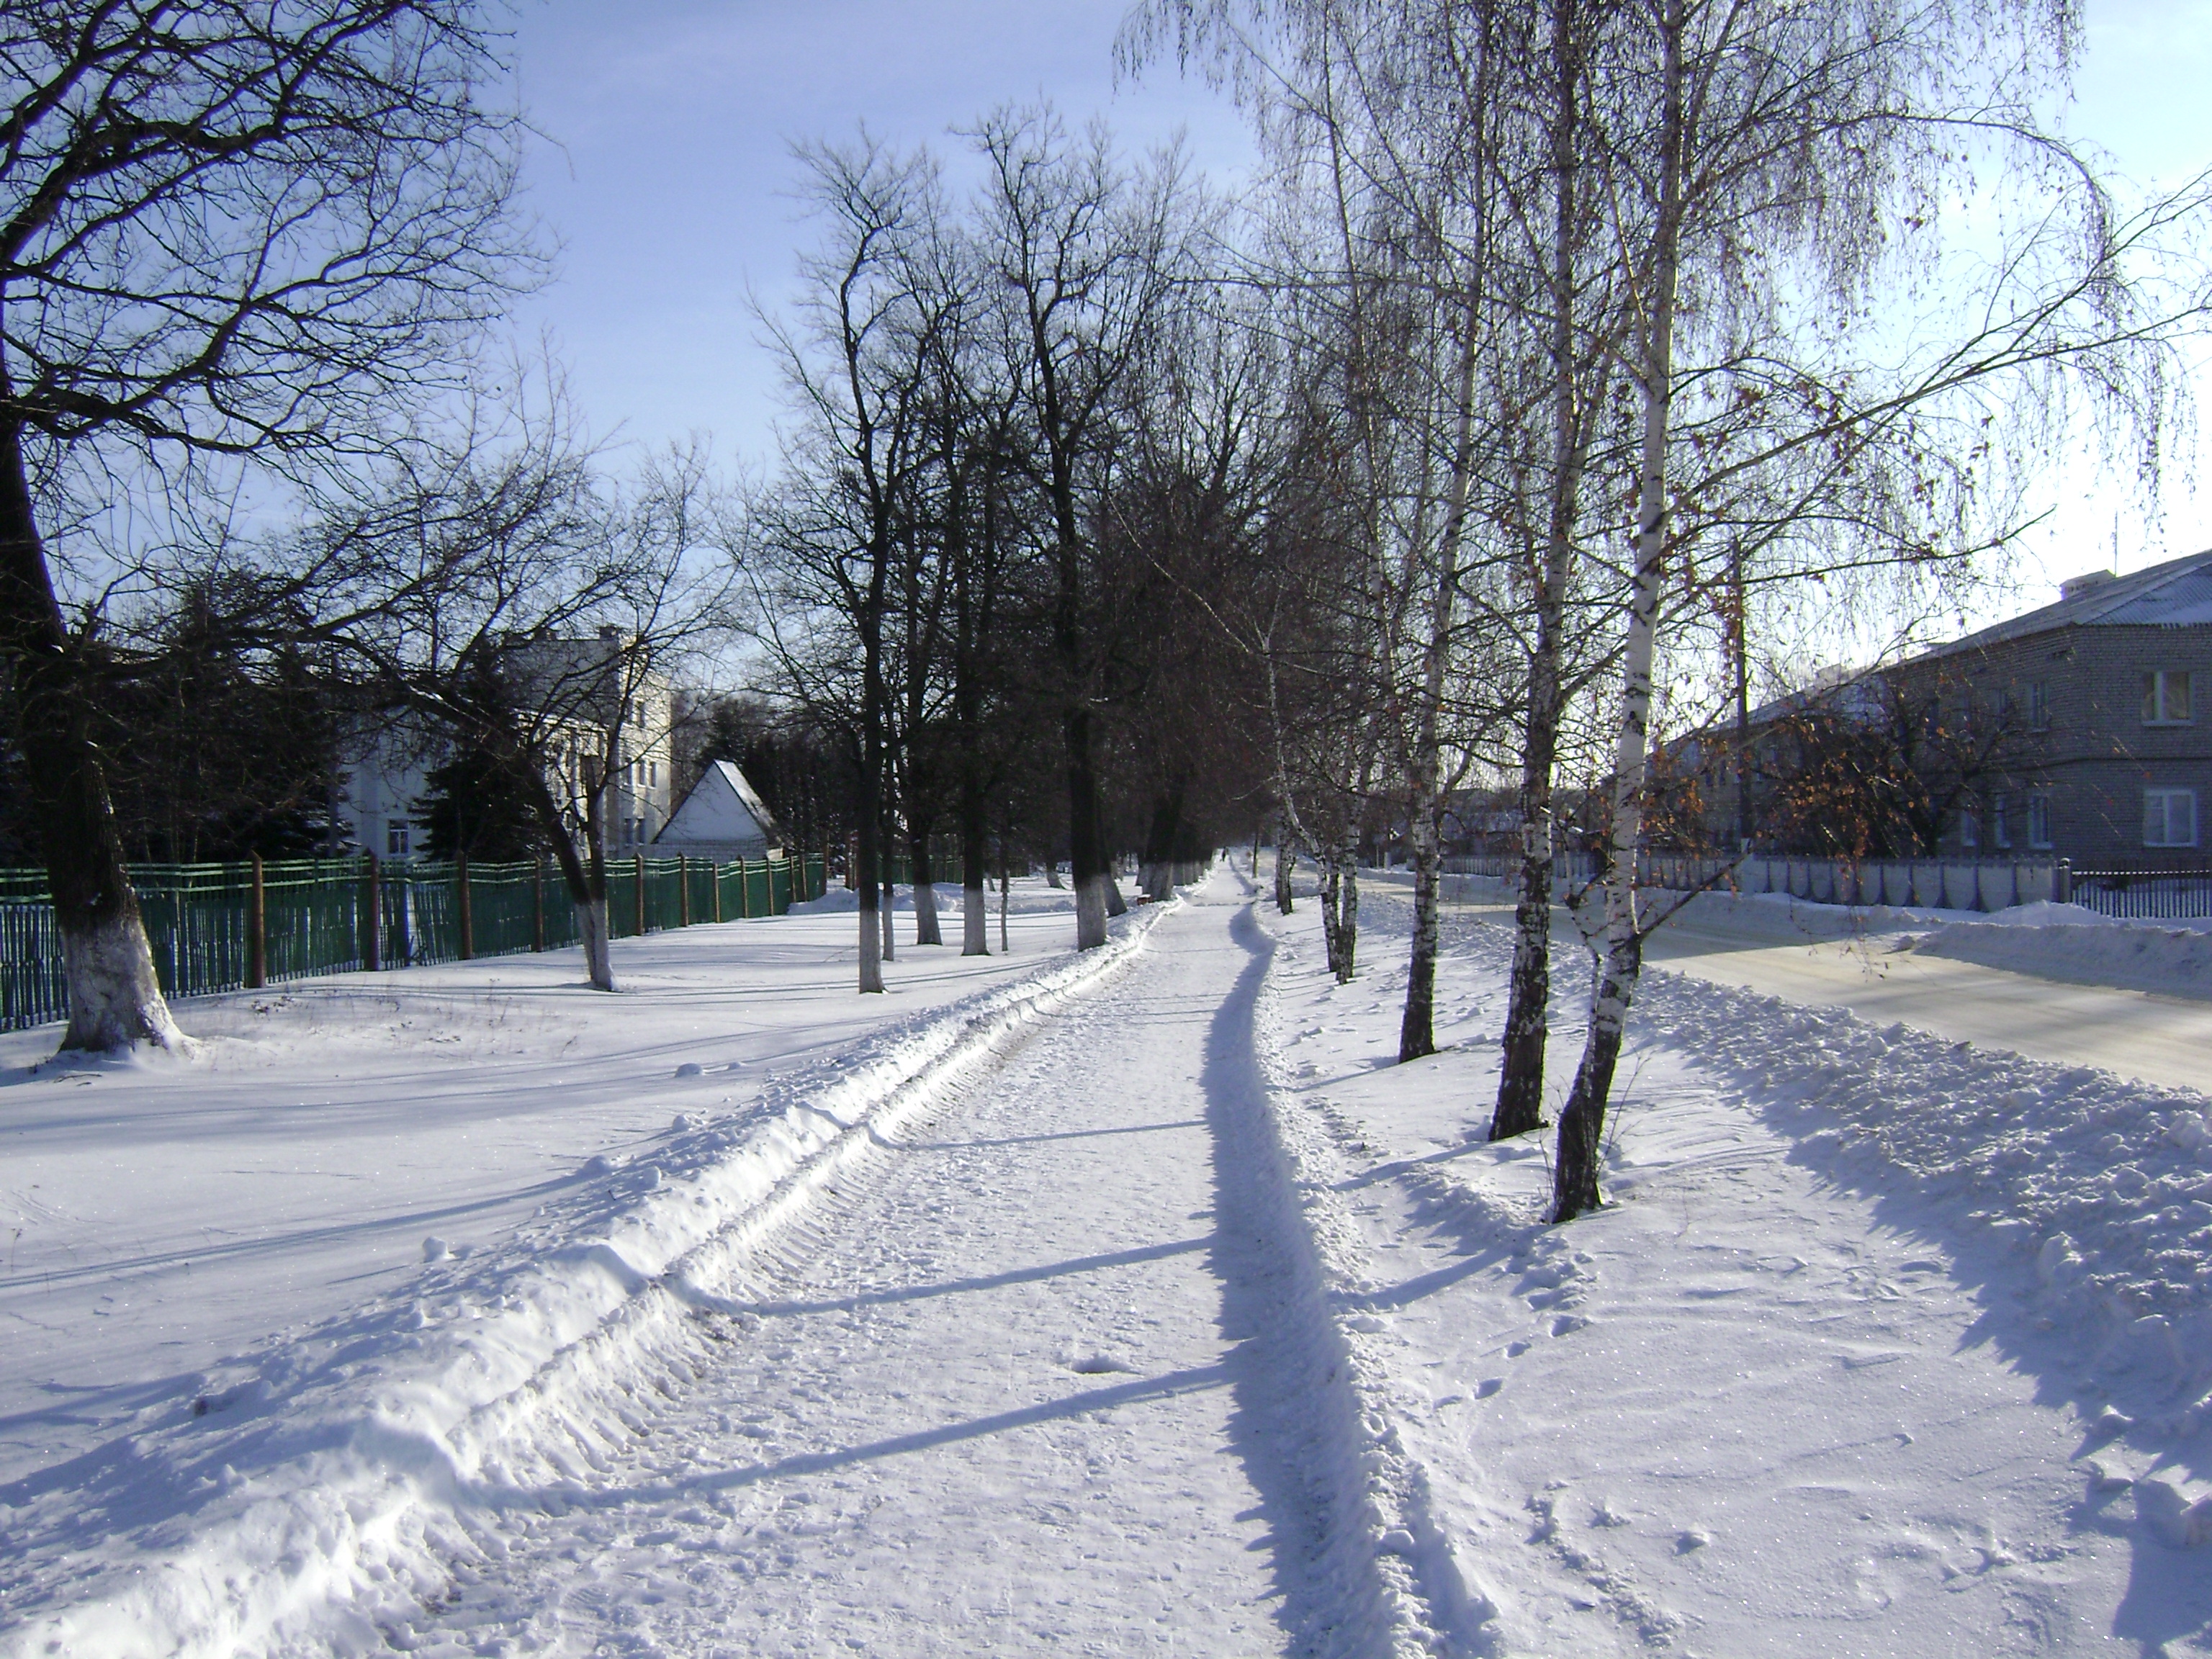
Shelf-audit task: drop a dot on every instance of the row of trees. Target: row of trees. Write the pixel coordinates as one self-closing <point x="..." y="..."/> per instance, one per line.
<point x="1561" y="348"/>
<point x="1605" y="334"/>
<point x="1565" y="346"/>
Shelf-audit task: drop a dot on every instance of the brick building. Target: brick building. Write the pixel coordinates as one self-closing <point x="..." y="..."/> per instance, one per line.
<point x="2106" y="754"/>
<point x="2077" y="730"/>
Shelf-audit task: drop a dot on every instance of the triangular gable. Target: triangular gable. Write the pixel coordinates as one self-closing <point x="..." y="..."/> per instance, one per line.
<point x="722" y="809"/>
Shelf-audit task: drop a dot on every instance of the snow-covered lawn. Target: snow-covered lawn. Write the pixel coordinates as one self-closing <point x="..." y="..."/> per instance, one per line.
<point x="2052" y="982"/>
<point x="1120" y="1303"/>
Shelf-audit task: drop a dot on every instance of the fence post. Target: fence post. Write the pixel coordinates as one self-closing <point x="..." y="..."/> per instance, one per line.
<point x="2062" y="882"/>
<point x="714" y="871"/>
<point x="683" y="890"/>
<point x="639" y="861"/>
<point x="538" y="904"/>
<point x="257" y="930"/>
<point x="467" y="917"/>
<point x="371" y="920"/>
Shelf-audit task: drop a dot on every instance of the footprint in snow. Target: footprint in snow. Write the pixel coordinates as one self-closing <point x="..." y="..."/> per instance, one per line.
<point x="1099" y="1364"/>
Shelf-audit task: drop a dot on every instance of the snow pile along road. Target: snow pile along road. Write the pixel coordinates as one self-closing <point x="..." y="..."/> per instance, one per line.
<point x="316" y="1489"/>
<point x="2066" y="942"/>
<point x="2097" y="1189"/>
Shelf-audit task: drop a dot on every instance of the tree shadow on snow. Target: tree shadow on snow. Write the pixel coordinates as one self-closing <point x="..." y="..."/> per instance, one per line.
<point x="1294" y="1423"/>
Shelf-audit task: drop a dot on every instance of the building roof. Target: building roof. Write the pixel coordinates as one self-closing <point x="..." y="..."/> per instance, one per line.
<point x="722" y="810"/>
<point x="2175" y="594"/>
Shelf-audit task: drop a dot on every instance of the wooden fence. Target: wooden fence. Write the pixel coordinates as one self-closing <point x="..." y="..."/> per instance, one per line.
<point x="241" y="926"/>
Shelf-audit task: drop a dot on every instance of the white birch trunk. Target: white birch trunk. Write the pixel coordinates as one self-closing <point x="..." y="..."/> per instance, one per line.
<point x="115" y="1001"/>
<point x="1091" y="913"/>
<point x="592" y="934"/>
<point x="1582" y="1125"/>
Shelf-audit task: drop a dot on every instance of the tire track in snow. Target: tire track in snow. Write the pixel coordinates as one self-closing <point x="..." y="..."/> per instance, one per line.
<point x="1000" y="1387"/>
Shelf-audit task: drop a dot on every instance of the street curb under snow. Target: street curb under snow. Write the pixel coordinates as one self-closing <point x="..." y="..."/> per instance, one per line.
<point x="327" y="1497"/>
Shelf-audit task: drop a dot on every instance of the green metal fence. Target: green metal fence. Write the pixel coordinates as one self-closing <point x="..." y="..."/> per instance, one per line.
<point x="236" y="927"/>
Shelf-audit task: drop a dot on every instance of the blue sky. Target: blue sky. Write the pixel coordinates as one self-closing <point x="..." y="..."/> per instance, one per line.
<point x="669" y="188"/>
<point x="667" y="183"/>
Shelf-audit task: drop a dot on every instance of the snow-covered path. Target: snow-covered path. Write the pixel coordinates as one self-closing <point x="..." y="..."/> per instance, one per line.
<point x="1027" y="1383"/>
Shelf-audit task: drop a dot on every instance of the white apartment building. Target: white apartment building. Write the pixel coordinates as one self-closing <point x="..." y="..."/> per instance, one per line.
<point x="588" y="702"/>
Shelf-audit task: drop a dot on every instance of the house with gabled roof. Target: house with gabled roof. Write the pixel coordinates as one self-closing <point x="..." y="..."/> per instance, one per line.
<point x="723" y="818"/>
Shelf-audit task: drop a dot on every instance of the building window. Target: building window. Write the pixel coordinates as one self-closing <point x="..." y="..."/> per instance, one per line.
<point x="2169" y="817"/>
<point x="1999" y="830"/>
<point x="1970" y="826"/>
<point x="2039" y="819"/>
<point x="2038" y="705"/>
<point x="398" y="837"/>
<point x="2165" y="697"/>
<point x="653" y="774"/>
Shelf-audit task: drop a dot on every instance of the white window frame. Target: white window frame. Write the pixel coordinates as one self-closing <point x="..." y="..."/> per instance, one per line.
<point x="399" y="839"/>
<point x="2161" y="808"/>
<point x="2159" y="687"/>
<point x="2038" y="819"/>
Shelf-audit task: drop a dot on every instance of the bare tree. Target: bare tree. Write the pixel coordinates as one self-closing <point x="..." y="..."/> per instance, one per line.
<point x="830" y="539"/>
<point x="1089" y="256"/>
<point x="226" y="231"/>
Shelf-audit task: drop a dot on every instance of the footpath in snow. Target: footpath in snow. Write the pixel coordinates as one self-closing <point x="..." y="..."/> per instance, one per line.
<point x="1887" y="1346"/>
<point x="259" y="1302"/>
<point x="1040" y="1376"/>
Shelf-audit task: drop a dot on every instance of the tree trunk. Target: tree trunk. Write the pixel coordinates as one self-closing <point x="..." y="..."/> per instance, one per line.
<point x="584" y="874"/>
<point x="1331" y="933"/>
<point x="1282" y="898"/>
<point x="115" y="1000"/>
<point x="1417" y="1030"/>
<point x="1520" y="1106"/>
<point x="1086" y="860"/>
<point x="1582" y="1125"/>
<point x="1348" y="916"/>
<point x="1417" y="1034"/>
<point x="974" y="906"/>
<point x="926" y="930"/>
<point x="974" y="863"/>
<point x="866" y="877"/>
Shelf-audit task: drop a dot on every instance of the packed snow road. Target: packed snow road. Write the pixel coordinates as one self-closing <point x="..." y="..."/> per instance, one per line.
<point x="1031" y="1381"/>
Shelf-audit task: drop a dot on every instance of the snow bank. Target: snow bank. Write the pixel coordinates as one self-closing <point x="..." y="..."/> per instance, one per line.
<point x="2095" y="1190"/>
<point x="332" y="1487"/>
<point x="2065" y="942"/>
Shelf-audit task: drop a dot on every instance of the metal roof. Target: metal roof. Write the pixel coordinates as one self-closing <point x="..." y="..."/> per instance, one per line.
<point x="2175" y="594"/>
